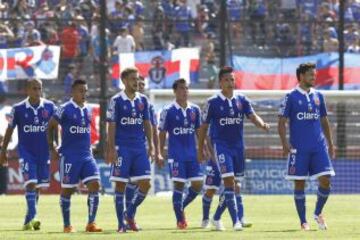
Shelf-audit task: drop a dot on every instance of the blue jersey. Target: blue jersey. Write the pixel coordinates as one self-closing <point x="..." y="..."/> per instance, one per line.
<point x="75" y="125"/>
<point x="226" y="116"/>
<point x="32" y="123"/>
<point x="304" y="111"/>
<point x="234" y="8"/>
<point x="181" y="124"/>
<point x="129" y="116"/>
<point x="309" y="6"/>
<point x="183" y="18"/>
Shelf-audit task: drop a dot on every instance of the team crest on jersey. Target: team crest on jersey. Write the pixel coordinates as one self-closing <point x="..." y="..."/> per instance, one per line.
<point x="66" y="179"/>
<point x="175" y="172"/>
<point x="141" y="106"/>
<point x="317" y="101"/>
<point x="45" y="114"/>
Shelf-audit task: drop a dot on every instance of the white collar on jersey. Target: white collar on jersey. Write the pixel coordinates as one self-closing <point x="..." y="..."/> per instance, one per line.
<point x="182" y="109"/>
<point x="125" y="97"/>
<point x="302" y="91"/>
<point x="28" y="105"/>
<point x="76" y="105"/>
<point x="225" y="98"/>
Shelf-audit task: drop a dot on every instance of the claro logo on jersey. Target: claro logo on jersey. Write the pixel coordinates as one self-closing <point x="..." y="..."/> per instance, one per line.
<point x="183" y="131"/>
<point x="131" y="121"/>
<point x="307" y="116"/>
<point x="35" y="128"/>
<point x="77" y="130"/>
<point x="229" y="121"/>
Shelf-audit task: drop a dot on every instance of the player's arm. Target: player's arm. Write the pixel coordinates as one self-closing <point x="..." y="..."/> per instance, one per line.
<point x="325" y="124"/>
<point x="158" y="157"/>
<point x="282" y="133"/>
<point x="162" y="139"/>
<point x="53" y="127"/>
<point x="148" y="133"/>
<point x="259" y="122"/>
<point x="203" y="130"/>
<point x="5" y="144"/>
<point x="111" y="154"/>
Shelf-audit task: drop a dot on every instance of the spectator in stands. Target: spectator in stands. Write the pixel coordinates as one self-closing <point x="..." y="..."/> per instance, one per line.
<point x="6" y="36"/>
<point x="68" y="80"/>
<point x="63" y="12"/>
<point x="351" y="35"/>
<point x="235" y="10"/>
<point x="31" y="33"/>
<point x="212" y="71"/>
<point x="288" y="9"/>
<point x="116" y="18"/>
<point x="124" y="43"/>
<point x="138" y="8"/>
<point x="87" y="8"/>
<point x="168" y="9"/>
<point x="4" y="10"/>
<point x="183" y="18"/>
<point x="306" y="29"/>
<point x="33" y="41"/>
<point x="355" y="9"/>
<point x="84" y="39"/>
<point x="330" y="43"/>
<point x="202" y="20"/>
<point x="129" y="17"/>
<point x="285" y="40"/>
<point x="257" y="11"/>
<point x="309" y="7"/>
<point x="326" y="12"/>
<point x="49" y="33"/>
<point x="69" y="39"/>
<point x="96" y="51"/>
<point x="21" y="8"/>
<point x="159" y="28"/>
<point x="43" y="12"/>
<point x="138" y="33"/>
<point x="19" y="31"/>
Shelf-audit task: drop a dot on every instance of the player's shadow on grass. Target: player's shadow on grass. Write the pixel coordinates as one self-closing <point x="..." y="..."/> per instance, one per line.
<point x="285" y="231"/>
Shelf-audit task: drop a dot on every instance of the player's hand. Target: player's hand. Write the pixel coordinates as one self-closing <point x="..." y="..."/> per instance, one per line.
<point x="159" y="160"/>
<point x="200" y="155"/>
<point x="266" y="127"/>
<point x="54" y="155"/>
<point x="111" y="155"/>
<point x="286" y="149"/>
<point x="331" y="151"/>
<point x="3" y="159"/>
<point x="151" y="152"/>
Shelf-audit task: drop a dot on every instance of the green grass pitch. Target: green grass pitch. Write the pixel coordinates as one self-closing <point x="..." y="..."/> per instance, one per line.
<point x="274" y="217"/>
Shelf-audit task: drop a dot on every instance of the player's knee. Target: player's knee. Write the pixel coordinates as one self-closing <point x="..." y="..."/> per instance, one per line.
<point x="144" y="186"/>
<point x="120" y="186"/>
<point x="196" y="186"/>
<point x="178" y="186"/>
<point x="299" y="184"/>
<point x="67" y="192"/>
<point x="31" y="187"/>
<point x="324" y="181"/>
<point x="229" y="182"/>
<point x="93" y="186"/>
<point x="210" y="193"/>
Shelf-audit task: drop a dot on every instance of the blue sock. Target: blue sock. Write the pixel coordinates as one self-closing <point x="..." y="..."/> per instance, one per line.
<point x="240" y="206"/>
<point x="189" y="197"/>
<point x="230" y="203"/>
<point x="93" y="203"/>
<point x="31" y="205"/>
<point x="322" y="196"/>
<point x="137" y="200"/>
<point x="206" y="204"/>
<point x="299" y="197"/>
<point x="129" y="193"/>
<point x="177" y="200"/>
<point x="119" y="206"/>
<point x="220" y="208"/>
<point x="65" y="209"/>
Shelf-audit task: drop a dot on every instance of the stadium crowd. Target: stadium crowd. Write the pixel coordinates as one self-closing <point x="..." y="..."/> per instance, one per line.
<point x="280" y="28"/>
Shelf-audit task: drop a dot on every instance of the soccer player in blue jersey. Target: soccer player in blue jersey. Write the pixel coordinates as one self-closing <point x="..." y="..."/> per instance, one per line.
<point x="31" y="117"/>
<point x="311" y="145"/>
<point x="181" y="120"/>
<point x="132" y="187"/>
<point x="76" y="159"/>
<point x="225" y="112"/>
<point x="128" y="126"/>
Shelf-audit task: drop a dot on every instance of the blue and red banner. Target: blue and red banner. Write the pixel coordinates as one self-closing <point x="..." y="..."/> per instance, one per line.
<point x="160" y="68"/>
<point x="280" y="73"/>
<point x="22" y="63"/>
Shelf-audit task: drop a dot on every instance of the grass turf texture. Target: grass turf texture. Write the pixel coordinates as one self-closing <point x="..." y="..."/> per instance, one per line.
<point x="274" y="217"/>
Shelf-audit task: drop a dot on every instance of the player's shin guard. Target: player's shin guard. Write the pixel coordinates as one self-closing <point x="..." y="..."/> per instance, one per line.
<point x="299" y="197"/>
<point x="221" y="207"/>
<point x="230" y="203"/>
<point x="190" y="197"/>
<point x="93" y="203"/>
<point x="240" y="206"/>
<point x="119" y="206"/>
<point x="206" y="204"/>
<point x="322" y="196"/>
<point x="129" y="193"/>
<point x="65" y="209"/>
<point x="137" y="200"/>
<point x="31" y="206"/>
<point x="177" y="200"/>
